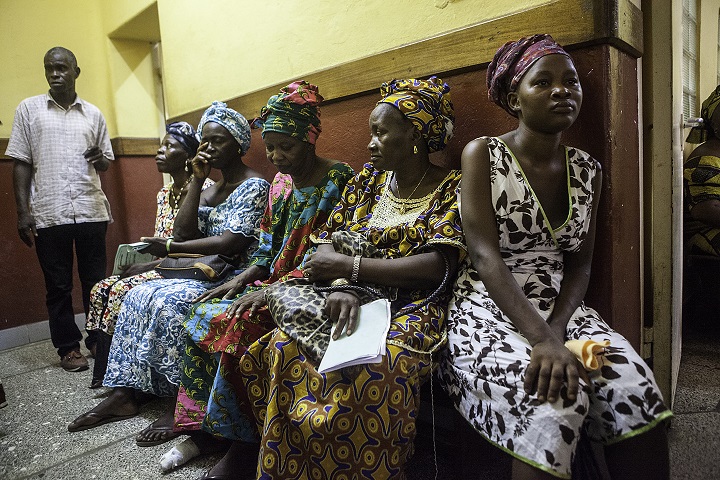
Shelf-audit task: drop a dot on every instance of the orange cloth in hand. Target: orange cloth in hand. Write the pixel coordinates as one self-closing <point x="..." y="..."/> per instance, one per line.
<point x="588" y="352"/>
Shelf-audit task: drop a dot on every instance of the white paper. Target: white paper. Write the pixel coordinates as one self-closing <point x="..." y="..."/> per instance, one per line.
<point x="367" y="342"/>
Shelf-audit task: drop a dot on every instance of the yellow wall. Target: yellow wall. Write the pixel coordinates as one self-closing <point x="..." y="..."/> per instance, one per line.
<point x="117" y="13"/>
<point x="228" y="48"/>
<point x="134" y="96"/>
<point x="211" y="50"/>
<point x="708" y="11"/>
<point x="29" y="29"/>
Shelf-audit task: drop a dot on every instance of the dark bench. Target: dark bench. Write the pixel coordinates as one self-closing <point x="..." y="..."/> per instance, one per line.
<point x="462" y="454"/>
<point x="701" y="293"/>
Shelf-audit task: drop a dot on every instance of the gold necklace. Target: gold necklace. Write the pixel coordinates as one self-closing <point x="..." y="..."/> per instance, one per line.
<point x="403" y="206"/>
<point x="175" y="201"/>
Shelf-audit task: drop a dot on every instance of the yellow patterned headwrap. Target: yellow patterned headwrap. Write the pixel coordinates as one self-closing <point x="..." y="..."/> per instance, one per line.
<point x="427" y="104"/>
<point x="701" y="133"/>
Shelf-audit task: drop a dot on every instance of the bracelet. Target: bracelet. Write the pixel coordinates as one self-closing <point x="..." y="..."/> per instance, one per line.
<point x="356" y="268"/>
<point x="167" y="244"/>
<point x="340" y="281"/>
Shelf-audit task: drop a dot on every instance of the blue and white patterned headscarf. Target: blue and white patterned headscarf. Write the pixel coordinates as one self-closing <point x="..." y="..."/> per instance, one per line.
<point x="231" y="120"/>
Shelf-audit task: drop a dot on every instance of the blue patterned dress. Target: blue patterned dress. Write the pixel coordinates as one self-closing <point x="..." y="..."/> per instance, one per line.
<point x="149" y="336"/>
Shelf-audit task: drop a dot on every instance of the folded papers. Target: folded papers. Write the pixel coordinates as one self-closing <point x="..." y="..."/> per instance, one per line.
<point x="128" y="254"/>
<point x="367" y="342"/>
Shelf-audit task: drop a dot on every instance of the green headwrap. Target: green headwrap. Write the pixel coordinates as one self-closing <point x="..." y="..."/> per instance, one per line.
<point x="294" y="111"/>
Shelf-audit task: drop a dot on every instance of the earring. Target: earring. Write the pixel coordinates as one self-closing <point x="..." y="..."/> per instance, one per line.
<point x="415" y="149"/>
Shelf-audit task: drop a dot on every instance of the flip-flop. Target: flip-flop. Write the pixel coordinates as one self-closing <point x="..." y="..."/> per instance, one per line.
<point x="166" y="434"/>
<point x="207" y="476"/>
<point x="100" y="419"/>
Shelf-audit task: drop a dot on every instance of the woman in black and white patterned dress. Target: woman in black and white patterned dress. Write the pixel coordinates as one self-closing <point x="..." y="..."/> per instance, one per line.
<point x="528" y="210"/>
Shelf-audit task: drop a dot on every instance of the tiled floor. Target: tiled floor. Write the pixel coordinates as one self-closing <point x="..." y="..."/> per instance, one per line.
<point x="35" y="444"/>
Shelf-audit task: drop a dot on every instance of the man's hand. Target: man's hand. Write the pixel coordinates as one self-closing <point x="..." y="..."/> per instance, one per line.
<point x="95" y="156"/>
<point x="26" y="228"/>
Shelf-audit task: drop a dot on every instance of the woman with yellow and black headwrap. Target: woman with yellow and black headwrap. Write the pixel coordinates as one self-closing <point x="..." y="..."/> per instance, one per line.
<point x="702" y="182"/>
<point x="359" y="421"/>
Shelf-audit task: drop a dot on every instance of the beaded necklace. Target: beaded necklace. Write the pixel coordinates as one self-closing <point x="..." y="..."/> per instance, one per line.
<point x="175" y="200"/>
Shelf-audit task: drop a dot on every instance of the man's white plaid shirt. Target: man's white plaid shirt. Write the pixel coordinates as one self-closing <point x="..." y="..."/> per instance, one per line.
<point x="65" y="187"/>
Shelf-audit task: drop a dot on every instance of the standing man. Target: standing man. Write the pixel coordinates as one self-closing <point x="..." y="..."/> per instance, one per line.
<point x="59" y="143"/>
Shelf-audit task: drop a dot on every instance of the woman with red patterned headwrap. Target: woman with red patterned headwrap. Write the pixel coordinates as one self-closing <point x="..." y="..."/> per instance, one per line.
<point x="224" y="321"/>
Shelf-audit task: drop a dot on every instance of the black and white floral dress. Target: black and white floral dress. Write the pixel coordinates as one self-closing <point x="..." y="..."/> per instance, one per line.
<point x="484" y="366"/>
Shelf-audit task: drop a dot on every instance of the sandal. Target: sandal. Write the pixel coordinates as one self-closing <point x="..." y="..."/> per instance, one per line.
<point x="162" y="433"/>
<point x="90" y="420"/>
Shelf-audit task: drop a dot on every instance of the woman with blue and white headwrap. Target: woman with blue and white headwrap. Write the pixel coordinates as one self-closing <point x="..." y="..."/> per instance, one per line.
<point x="223" y="219"/>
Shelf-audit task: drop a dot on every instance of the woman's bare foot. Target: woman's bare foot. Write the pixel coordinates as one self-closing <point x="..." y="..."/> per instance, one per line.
<point x="119" y="405"/>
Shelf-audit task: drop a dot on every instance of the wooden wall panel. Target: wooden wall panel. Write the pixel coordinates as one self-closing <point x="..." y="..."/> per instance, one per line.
<point x="604" y="37"/>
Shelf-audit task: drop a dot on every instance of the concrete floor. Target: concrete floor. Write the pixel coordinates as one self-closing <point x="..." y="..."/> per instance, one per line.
<point x="43" y="399"/>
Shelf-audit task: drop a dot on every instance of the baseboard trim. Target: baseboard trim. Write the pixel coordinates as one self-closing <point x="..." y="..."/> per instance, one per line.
<point x="31" y="333"/>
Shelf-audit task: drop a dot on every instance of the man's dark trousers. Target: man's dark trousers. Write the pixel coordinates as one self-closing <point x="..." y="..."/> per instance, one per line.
<point x="54" y="247"/>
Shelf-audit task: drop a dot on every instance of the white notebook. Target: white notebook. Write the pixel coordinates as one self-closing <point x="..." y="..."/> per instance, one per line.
<point x="367" y="342"/>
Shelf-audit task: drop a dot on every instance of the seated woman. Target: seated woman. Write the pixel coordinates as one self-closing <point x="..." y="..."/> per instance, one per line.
<point x="178" y="147"/>
<point x="302" y="195"/>
<point x="702" y="182"/>
<point x="360" y="421"/>
<point x="224" y="219"/>
<point x="529" y="213"/>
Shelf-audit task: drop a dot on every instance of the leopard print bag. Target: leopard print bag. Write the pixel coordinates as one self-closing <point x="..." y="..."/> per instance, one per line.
<point x="297" y="305"/>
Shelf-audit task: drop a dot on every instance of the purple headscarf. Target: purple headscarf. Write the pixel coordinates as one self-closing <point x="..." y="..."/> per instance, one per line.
<point x="512" y="60"/>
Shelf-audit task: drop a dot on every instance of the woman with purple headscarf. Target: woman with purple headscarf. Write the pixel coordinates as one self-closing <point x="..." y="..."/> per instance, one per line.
<point x="178" y="147"/>
<point x="529" y="213"/>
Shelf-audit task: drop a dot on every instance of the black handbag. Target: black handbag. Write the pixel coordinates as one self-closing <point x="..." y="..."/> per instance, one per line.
<point x="190" y="266"/>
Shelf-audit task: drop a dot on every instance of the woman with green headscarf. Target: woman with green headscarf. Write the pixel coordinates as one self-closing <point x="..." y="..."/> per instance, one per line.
<point x="225" y="320"/>
<point x="702" y="181"/>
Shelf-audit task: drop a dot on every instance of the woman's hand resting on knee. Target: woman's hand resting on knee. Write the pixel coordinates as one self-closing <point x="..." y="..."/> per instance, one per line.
<point x="252" y="301"/>
<point x="551" y="365"/>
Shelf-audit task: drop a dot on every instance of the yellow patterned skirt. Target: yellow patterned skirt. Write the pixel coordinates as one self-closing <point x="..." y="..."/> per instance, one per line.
<point x="353" y="423"/>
